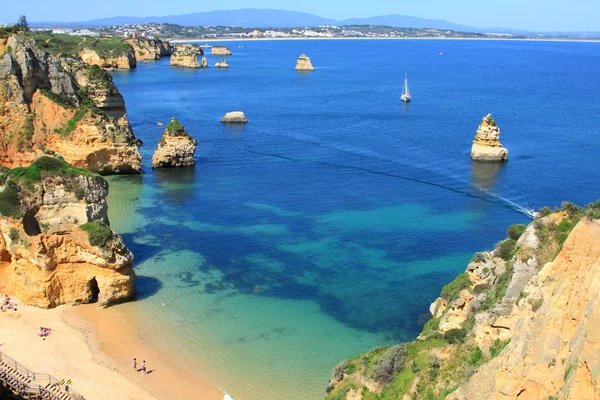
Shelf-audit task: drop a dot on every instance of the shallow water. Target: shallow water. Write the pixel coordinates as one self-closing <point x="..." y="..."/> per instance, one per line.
<point x="326" y="226"/>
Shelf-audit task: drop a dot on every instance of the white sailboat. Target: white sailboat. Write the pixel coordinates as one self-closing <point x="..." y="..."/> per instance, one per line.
<point x="405" y="97"/>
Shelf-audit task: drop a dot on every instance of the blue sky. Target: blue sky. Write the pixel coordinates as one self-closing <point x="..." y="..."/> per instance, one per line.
<point x="550" y="15"/>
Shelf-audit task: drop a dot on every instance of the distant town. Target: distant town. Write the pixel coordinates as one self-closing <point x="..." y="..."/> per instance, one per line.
<point x="174" y="31"/>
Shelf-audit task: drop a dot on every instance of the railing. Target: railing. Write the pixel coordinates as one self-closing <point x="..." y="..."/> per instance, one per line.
<point x="38" y="383"/>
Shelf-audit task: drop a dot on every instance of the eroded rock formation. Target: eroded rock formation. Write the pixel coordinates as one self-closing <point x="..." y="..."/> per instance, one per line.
<point x="64" y="106"/>
<point x="175" y="149"/>
<point x="56" y="245"/>
<point x="303" y="63"/>
<point x="125" y="60"/>
<point x="520" y="323"/>
<point x="235" y="117"/>
<point x="486" y="146"/>
<point x="222" y="64"/>
<point x="150" y="49"/>
<point x="221" y="51"/>
<point x="185" y="55"/>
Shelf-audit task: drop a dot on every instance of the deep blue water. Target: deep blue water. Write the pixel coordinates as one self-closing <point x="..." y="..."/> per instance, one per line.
<point x="336" y="197"/>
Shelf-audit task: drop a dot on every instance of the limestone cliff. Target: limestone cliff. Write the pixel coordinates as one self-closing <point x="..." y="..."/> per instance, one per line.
<point x="175" y="149"/>
<point x="221" y="51"/>
<point x="118" y="61"/>
<point x="56" y="245"/>
<point x="150" y="49"/>
<point x="53" y="104"/>
<point x="520" y="323"/>
<point x="303" y="63"/>
<point x="486" y="146"/>
<point x="185" y="56"/>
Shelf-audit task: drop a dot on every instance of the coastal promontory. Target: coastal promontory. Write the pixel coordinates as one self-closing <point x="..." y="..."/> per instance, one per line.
<point x="486" y="146"/>
<point x="61" y="105"/>
<point x="150" y="49"/>
<point x="175" y="149"/>
<point x="303" y="64"/>
<point x="520" y="322"/>
<point x="56" y="245"/>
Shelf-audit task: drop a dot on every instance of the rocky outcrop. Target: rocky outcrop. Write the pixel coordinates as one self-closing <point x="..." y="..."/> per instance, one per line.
<point x="185" y="56"/>
<point x="188" y="48"/>
<point x="50" y="104"/>
<point x="486" y="146"/>
<point x="520" y="323"/>
<point x="234" y="117"/>
<point x="56" y="245"/>
<point x="175" y="149"/>
<point x="204" y="63"/>
<point x="221" y="51"/>
<point x="303" y="64"/>
<point x="150" y="49"/>
<point x="222" y="64"/>
<point x="125" y="60"/>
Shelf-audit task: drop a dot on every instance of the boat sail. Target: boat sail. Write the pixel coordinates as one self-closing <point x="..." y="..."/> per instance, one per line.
<point x="405" y="92"/>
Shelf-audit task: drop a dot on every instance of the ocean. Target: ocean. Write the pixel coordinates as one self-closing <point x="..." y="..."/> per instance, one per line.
<point x="327" y="225"/>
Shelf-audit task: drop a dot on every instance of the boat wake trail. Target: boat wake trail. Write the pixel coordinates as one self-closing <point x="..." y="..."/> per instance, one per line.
<point x="471" y="191"/>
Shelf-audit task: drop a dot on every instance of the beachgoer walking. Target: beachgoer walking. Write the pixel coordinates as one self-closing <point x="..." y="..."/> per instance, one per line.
<point x="135" y="364"/>
<point x="144" y="367"/>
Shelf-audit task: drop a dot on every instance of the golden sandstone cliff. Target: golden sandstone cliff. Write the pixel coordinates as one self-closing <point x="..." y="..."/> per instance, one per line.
<point x="55" y="242"/>
<point x="522" y="322"/>
<point x="303" y="63"/>
<point x="186" y="55"/>
<point x="486" y="146"/>
<point x="53" y="104"/>
<point x="221" y="51"/>
<point x="175" y="149"/>
<point x="150" y="49"/>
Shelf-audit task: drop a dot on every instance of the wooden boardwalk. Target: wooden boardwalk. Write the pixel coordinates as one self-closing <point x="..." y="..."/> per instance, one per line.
<point x="30" y="385"/>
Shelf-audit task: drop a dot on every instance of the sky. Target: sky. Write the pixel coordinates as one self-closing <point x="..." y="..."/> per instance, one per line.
<point x="536" y="15"/>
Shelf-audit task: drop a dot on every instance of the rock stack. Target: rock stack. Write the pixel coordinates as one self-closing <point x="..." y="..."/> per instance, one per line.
<point x="185" y="56"/>
<point x="221" y="51"/>
<point x="486" y="146"/>
<point x="204" y="63"/>
<point x="175" y="149"/>
<point x="235" y="117"/>
<point x="222" y="64"/>
<point x="303" y="64"/>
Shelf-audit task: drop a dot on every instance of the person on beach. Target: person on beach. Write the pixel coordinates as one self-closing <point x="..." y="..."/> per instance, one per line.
<point x="135" y="364"/>
<point x="144" y="367"/>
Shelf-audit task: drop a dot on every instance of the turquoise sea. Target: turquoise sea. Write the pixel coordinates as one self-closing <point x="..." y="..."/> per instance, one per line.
<point x="327" y="225"/>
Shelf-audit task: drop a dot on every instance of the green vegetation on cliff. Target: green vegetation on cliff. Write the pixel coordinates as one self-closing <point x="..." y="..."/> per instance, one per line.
<point x="70" y="46"/>
<point x="448" y="353"/>
<point x="98" y="234"/>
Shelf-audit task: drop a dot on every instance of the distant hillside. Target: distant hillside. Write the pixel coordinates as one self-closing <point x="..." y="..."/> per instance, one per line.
<point x="403" y="21"/>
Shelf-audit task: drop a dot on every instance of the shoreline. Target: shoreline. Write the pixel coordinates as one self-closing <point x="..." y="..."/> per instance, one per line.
<point x="94" y="348"/>
<point x="179" y="40"/>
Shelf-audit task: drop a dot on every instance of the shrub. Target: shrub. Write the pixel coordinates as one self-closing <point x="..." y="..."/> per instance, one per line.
<point x="10" y="202"/>
<point x="498" y="346"/>
<point x="390" y="364"/>
<point x="570" y="208"/>
<point x="536" y="304"/>
<point x="516" y="231"/>
<point x="79" y="193"/>
<point x="98" y="234"/>
<point x="13" y="234"/>
<point x="476" y="356"/>
<point x="432" y="325"/>
<point x="545" y="211"/>
<point x="506" y="249"/>
<point x="455" y="335"/>
<point x="452" y="290"/>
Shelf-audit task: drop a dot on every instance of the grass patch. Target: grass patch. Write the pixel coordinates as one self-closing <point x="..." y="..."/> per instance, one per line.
<point x="70" y="46"/>
<point x="10" y="202"/>
<point x="72" y="123"/>
<point x="45" y="166"/>
<point x="497" y="292"/>
<point x="431" y="326"/>
<point x="98" y="234"/>
<point x="497" y="347"/>
<point x="452" y="290"/>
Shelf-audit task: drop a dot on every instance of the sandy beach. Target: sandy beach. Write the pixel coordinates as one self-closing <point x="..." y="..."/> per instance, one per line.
<point x="94" y="348"/>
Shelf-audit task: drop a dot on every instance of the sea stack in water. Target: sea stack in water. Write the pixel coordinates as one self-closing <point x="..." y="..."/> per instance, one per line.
<point x="222" y="64"/>
<point x="221" y="51"/>
<point x="185" y="56"/>
<point x="486" y="146"/>
<point x="204" y="62"/>
<point x="235" y="117"/>
<point x="175" y="149"/>
<point x="304" y="64"/>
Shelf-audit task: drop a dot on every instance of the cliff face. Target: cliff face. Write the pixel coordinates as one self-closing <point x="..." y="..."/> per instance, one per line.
<point x="486" y="146"/>
<point x="520" y="323"/>
<point x="303" y="63"/>
<point x="61" y="105"/>
<point x="175" y="149"/>
<point x="55" y="243"/>
<point x="185" y="56"/>
<point x="126" y="60"/>
<point x="150" y="49"/>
